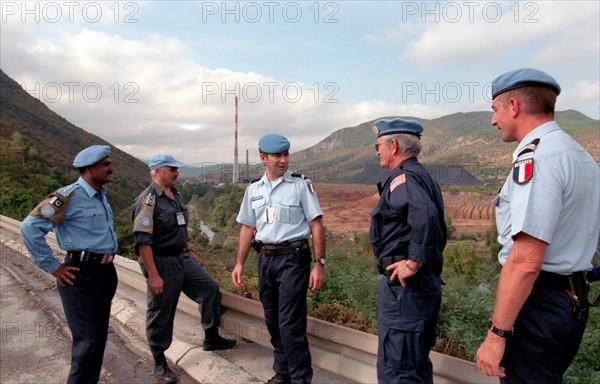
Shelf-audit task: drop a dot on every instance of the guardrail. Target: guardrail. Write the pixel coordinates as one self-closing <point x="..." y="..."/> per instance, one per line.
<point x="344" y="351"/>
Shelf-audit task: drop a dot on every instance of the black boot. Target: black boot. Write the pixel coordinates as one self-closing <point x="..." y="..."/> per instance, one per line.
<point x="162" y="370"/>
<point x="279" y="379"/>
<point x="214" y="342"/>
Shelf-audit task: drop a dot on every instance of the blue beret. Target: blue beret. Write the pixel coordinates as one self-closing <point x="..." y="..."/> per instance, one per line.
<point x="91" y="155"/>
<point x="164" y="160"/>
<point x="522" y="78"/>
<point x="384" y="127"/>
<point x="273" y="143"/>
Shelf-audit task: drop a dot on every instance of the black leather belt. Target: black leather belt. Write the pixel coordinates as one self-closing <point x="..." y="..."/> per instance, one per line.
<point x="555" y="282"/>
<point x="90" y="256"/>
<point x="285" y="248"/>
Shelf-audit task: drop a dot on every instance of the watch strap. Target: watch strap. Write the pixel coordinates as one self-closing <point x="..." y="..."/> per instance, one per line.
<point x="500" y="332"/>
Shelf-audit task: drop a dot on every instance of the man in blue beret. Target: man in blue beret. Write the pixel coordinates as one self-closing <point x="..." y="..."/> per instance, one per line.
<point x="87" y="279"/>
<point x="408" y="235"/>
<point x="548" y="226"/>
<point x="279" y="213"/>
<point x="170" y="265"/>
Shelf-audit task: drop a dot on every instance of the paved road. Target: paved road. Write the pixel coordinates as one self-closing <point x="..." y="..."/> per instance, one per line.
<point x="35" y="340"/>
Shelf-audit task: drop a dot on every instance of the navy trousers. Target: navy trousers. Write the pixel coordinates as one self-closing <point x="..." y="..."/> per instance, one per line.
<point x="180" y="274"/>
<point x="547" y="336"/>
<point x="87" y="308"/>
<point x="283" y="285"/>
<point x="407" y="319"/>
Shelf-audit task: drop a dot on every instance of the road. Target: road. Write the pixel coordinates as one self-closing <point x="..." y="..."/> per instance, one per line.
<point x="35" y="340"/>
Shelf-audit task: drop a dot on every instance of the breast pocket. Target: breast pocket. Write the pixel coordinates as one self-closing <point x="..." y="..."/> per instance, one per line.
<point x="290" y="210"/>
<point x="91" y="216"/>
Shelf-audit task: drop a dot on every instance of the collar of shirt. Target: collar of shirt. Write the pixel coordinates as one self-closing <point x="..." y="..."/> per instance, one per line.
<point x="536" y="133"/>
<point x="287" y="176"/>
<point x="159" y="191"/>
<point x="91" y="192"/>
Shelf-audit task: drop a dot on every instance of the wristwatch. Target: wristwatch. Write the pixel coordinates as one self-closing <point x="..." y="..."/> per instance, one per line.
<point x="320" y="261"/>
<point x="500" y="332"/>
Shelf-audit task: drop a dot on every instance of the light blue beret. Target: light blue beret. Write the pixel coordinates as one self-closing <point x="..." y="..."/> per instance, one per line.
<point x="384" y="127"/>
<point x="273" y="143"/>
<point x="91" y="155"/>
<point x="522" y="78"/>
<point x="164" y="160"/>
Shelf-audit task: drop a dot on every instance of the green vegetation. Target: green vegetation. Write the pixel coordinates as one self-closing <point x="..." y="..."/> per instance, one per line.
<point x="349" y="296"/>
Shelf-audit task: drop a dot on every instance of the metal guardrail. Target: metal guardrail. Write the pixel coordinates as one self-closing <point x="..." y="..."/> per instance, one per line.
<point x="344" y="351"/>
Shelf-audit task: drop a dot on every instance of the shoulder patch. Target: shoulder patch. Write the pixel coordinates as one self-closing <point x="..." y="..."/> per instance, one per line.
<point x="54" y="207"/>
<point x="522" y="171"/>
<point x="529" y="147"/>
<point x="144" y="221"/>
<point x="398" y="180"/>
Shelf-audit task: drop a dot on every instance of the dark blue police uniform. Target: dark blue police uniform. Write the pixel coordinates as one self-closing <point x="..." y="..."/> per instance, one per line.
<point x="408" y="223"/>
<point x="281" y="211"/>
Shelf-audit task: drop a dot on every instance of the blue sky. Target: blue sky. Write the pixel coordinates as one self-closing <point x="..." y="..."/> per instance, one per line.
<point x="161" y="75"/>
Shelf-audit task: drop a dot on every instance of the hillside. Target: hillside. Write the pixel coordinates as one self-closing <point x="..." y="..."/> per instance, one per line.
<point x="459" y="149"/>
<point x="38" y="147"/>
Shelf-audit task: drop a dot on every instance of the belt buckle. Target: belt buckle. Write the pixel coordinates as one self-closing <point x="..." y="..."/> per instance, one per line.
<point x="106" y="259"/>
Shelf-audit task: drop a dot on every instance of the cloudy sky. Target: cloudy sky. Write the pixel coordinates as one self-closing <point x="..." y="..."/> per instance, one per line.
<point x="154" y="76"/>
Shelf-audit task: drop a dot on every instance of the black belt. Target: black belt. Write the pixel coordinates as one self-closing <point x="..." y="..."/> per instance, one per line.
<point x="555" y="282"/>
<point x="90" y="256"/>
<point x="172" y="250"/>
<point x="285" y="248"/>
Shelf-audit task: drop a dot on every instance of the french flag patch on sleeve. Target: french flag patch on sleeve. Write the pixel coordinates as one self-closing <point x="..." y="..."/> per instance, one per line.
<point x="522" y="171"/>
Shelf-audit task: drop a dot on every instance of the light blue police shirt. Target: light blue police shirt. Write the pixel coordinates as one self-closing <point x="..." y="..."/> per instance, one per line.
<point x="87" y="226"/>
<point x="292" y="204"/>
<point x="560" y="205"/>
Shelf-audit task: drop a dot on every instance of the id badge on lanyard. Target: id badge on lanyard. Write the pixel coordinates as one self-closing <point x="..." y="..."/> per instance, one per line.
<point x="180" y="218"/>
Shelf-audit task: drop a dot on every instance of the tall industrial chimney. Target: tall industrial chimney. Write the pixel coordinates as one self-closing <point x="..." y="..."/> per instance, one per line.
<point x="236" y="165"/>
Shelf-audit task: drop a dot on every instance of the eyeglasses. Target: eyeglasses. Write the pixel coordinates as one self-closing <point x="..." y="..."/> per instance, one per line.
<point x="377" y="145"/>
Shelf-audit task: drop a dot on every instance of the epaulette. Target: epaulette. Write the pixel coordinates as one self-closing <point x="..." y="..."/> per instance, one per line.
<point x="254" y="181"/>
<point x="309" y="183"/>
<point x="67" y="190"/>
<point x="529" y="147"/>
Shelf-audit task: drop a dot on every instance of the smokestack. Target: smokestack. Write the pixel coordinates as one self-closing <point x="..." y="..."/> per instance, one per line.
<point x="236" y="170"/>
<point x="247" y="166"/>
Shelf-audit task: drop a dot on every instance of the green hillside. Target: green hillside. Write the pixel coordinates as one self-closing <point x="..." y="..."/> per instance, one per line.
<point x="37" y="149"/>
<point x="460" y="140"/>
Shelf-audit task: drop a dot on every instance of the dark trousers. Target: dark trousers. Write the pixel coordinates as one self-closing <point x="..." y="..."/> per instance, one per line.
<point x="283" y="284"/>
<point x="547" y="336"/>
<point x="407" y="319"/>
<point x="179" y="274"/>
<point x="87" y="309"/>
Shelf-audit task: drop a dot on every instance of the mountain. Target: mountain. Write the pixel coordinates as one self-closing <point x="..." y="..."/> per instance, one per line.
<point x="458" y="149"/>
<point x="38" y="148"/>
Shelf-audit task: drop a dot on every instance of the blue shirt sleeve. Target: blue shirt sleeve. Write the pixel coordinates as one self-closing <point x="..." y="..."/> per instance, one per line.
<point x="33" y="232"/>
